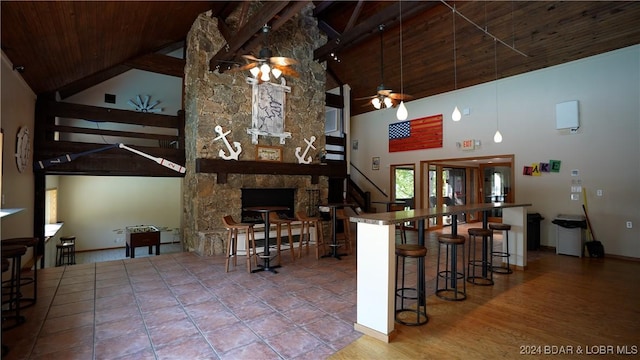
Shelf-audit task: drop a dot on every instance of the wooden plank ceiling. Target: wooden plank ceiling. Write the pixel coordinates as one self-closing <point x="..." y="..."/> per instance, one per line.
<point x="68" y="46"/>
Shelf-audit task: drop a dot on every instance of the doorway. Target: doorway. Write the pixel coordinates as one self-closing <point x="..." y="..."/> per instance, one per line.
<point x="463" y="181"/>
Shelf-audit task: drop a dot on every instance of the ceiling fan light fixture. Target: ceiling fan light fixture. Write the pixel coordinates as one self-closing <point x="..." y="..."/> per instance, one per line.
<point x="255" y="71"/>
<point x="276" y="73"/>
<point x="402" y="112"/>
<point x="376" y="103"/>
<point x="388" y="102"/>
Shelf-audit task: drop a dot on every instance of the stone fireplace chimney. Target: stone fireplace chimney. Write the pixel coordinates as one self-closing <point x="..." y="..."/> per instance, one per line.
<point x="214" y="99"/>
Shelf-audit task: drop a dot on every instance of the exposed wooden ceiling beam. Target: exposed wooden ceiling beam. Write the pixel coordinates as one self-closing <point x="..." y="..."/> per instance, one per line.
<point x="244" y="34"/>
<point x="158" y="63"/>
<point x="369" y="27"/>
<point x="91" y="80"/>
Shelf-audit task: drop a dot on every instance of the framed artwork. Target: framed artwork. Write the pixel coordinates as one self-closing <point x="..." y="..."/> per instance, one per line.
<point x="375" y="163"/>
<point x="268" y="102"/>
<point x="268" y="153"/>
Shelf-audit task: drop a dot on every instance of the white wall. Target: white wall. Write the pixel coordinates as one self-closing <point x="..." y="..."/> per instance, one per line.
<point x="97" y="209"/>
<point x="17" y="108"/>
<point x="93" y="207"/>
<point x="605" y="149"/>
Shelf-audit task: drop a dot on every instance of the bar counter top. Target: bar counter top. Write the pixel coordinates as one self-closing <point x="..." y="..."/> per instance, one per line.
<point x="396" y="217"/>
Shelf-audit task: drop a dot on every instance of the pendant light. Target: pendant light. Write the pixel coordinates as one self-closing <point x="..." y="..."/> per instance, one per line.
<point x="497" y="138"/>
<point x="456" y="115"/>
<point x="402" y="112"/>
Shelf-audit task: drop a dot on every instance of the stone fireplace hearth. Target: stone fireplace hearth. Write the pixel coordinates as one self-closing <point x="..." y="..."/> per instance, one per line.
<point x="225" y="99"/>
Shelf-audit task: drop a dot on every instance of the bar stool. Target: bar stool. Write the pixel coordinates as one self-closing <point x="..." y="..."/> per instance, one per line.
<point x="405" y="314"/>
<point x="305" y="232"/>
<point x="502" y="269"/>
<point x="5" y="268"/>
<point x="341" y="216"/>
<point x="66" y="251"/>
<point x="450" y="274"/>
<point x="275" y="219"/>
<point x="233" y="228"/>
<point x="11" y="292"/>
<point x="29" y="242"/>
<point x="485" y="264"/>
<point x="400" y="227"/>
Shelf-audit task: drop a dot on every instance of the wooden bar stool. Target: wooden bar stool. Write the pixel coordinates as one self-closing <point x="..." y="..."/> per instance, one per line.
<point x="502" y="268"/>
<point x="305" y="233"/>
<point x="485" y="263"/>
<point x="341" y="216"/>
<point x="406" y="314"/>
<point x="11" y="291"/>
<point x="233" y="228"/>
<point x="276" y="220"/>
<point x="29" y="242"/>
<point x="450" y="273"/>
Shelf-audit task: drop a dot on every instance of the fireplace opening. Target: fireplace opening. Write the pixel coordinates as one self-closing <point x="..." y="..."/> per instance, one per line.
<point x="267" y="197"/>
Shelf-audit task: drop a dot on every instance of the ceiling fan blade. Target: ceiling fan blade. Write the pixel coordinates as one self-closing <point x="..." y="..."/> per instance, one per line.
<point x="366" y="97"/>
<point x="282" y="61"/>
<point x="384" y="92"/>
<point x="243" y="68"/>
<point x="251" y="58"/>
<point x="287" y="71"/>
<point x="400" y="96"/>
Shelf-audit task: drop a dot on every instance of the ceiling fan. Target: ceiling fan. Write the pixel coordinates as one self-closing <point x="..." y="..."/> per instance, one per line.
<point x="384" y="97"/>
<point x="266" y="65"/>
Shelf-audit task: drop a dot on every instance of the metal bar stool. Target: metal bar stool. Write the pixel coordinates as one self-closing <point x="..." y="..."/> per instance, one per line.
<point x="502" y="268"/>
<point x="450" y="274"/>
<point x="233" y="229"/>
<point x="485" y="264"/>
<point x="406" y="314"/>
<point x="66" y="251"/>
<point x="5" y="268"/>
<point x="29" y="242"/>
<point x="11" y="288"/>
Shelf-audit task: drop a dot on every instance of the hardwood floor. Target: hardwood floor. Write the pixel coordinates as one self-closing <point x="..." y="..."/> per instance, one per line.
<point x="561" y="305"/>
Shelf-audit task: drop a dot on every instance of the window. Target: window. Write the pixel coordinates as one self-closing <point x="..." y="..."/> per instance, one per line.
<point x="51" y="206"/>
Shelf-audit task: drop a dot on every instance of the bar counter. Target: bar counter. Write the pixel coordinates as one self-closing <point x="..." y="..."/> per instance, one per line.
<point x="376" y="256"/>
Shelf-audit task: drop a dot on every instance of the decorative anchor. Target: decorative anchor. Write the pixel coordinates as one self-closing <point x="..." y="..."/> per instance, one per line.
<point x="301" y="159"/>
<point x="233" y="154"/>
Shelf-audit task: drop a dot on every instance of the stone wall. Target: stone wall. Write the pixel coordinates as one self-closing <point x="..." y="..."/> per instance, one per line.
<point x="213" y="99"/>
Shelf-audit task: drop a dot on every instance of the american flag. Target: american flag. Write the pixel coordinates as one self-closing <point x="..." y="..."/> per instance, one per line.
<point x="423" y="133"/>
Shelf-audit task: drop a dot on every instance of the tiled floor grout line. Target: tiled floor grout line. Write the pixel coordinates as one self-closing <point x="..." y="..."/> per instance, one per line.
<point x="195" y="324"/>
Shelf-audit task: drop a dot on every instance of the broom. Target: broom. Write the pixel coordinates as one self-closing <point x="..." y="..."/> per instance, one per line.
<point x="594" y="247"/>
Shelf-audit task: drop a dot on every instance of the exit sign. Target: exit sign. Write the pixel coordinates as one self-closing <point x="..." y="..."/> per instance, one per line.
<point x="468" y="144"/>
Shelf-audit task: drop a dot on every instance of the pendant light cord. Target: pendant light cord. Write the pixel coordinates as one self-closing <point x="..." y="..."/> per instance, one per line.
<point x="401" y="74"/>
<point x="455" y="58"/>
<point x="495" y="62"/>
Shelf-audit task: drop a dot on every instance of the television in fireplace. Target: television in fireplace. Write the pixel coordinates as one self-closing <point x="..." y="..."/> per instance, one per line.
<point x="267" y="197"/>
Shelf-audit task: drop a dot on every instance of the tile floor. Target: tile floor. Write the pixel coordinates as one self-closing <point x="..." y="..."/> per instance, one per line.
<point x="182" y="306"/>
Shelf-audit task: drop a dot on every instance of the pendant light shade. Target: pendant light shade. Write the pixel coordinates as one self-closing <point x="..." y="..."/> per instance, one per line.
<point x="497" y="138"/>
<point x="402" y="113"/>
<point x="456" y="115"/>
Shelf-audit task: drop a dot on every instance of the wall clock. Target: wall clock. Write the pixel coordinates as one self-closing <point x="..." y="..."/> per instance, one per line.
<point x="23" y="148"/>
